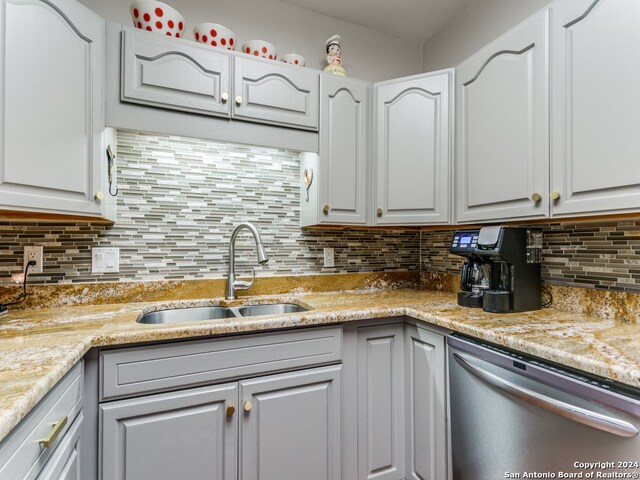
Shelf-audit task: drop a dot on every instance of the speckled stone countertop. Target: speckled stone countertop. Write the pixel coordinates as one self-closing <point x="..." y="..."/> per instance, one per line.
<point x="37" y="347"/>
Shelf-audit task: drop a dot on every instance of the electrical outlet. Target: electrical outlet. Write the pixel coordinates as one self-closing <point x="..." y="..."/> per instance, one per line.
<point x="329" y="258"/>
<point x="34" y="253"/>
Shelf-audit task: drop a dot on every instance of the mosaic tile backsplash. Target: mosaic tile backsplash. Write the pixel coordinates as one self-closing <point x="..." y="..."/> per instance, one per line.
<point x="178" y="203"/>
<point x="595" y="255"/>
<point x="180" y="199"/>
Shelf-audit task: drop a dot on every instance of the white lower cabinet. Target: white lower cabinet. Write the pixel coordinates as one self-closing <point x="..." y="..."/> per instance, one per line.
<point x="395" y="402"/>
<point x="46" y="444"/>
<point x="267" y="428"/>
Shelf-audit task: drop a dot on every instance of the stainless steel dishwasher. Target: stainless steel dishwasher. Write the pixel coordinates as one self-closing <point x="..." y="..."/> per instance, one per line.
<point x="516" y="417"/>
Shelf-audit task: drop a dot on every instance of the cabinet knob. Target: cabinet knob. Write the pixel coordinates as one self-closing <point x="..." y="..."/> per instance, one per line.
<point x="224" y="96"/>
<point x="379" y="212"/>
<point x="326" y="208"/>
<point x="230" y="410"/>
<point x="536" y="197"/>
<point x="238" y="100"/>
<point x="99" y="196"/>
<point x="248" y="406"/>
<point x="554" y="195"/>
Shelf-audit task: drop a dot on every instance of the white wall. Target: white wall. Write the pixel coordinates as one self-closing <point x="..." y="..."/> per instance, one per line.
<point x="476" y="25"/>
<point x="367" y="54"/>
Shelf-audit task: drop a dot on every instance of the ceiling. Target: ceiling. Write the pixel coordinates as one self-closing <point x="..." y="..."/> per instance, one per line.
<point x="412" y="20"/>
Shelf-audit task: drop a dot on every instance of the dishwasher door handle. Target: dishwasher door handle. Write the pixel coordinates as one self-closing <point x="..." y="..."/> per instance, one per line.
<point x="577" y="414"/>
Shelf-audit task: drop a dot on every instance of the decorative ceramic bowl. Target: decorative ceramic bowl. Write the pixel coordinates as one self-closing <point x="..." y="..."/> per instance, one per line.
<point x="215" y="35"/>
<point x="260" y="48"/>
<point x="294" y="59"/>
<point x="157" y="17"/>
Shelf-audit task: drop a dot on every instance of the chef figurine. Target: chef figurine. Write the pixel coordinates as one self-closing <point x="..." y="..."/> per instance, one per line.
<point x="333" y="57"/>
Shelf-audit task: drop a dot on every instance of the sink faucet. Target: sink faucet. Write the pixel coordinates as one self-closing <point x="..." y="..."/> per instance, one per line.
<point x="232" y="283"/>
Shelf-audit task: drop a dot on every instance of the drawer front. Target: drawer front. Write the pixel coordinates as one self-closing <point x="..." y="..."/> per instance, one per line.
<point x="279" y="94"/>
<point x="146" y="369"/>
<point x="22" y="456"/>
<point x="65" y="462"/>
<point x="168" y="73"/>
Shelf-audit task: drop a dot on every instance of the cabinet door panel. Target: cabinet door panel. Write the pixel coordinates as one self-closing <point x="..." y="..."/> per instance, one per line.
<point x="274" y="93"/>
<point x="171" y="436"/>
<point x="427" y="443"/>
<point x="596" y="106"/>
<point x="381" y="403"/>
<point x="413" y="152"/>
<point x="174" y="74"/>
<point x="502" y="127"/>
<point x="343" y="150"/>
<point x="52" y="106"/>
<point x="293" y="429"/>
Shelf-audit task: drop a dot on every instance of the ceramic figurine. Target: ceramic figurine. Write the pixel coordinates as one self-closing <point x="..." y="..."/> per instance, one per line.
<point x="334" y="62"/>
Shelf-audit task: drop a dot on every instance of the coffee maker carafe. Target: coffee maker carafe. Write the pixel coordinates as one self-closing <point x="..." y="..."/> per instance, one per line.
<point x="501" y="272"/>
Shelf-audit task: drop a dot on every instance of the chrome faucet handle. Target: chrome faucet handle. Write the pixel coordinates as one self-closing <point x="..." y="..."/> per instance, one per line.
<point x="243" y="284"/>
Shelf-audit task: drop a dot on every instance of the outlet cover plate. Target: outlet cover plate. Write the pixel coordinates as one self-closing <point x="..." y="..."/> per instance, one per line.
<point x="105" y="260"/>
<point x="329" y="258"/>
<point x="33" y="252"/>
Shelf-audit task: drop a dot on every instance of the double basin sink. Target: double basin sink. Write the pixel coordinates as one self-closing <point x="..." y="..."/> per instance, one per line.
<point x="195" y="314"/>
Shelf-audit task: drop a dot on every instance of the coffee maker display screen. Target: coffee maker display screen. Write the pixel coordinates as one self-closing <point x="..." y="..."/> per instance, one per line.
<point x="465" y="240"/>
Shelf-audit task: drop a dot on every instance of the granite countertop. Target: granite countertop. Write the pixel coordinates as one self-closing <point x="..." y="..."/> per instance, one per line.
<point x="37" y="347"/>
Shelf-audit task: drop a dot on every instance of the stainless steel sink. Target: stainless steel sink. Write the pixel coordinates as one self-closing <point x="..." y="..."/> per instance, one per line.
<point x="269" y="309"/>
<point x="179" y="315"/>
<point x="196" y="314"/>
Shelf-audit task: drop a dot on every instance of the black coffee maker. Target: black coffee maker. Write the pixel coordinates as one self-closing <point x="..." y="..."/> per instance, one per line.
<point x="501" y="272"/>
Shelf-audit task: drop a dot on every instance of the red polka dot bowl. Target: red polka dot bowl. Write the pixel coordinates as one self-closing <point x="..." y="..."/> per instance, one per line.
<point x="215" y="35"/>
<point x="294" y="59"/>
<point x="157" y="17"/>
<point x="260" y="48"/>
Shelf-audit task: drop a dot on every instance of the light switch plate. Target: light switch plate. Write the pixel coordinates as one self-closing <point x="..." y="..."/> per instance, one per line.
<point x="105" y="260"/>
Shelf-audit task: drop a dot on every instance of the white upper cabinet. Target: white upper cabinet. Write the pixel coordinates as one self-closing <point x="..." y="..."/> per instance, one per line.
<point x="51" y="151"/>
<point x="502" y="127"/>
<point x="596" y="106"/>
<point x="413" y="151"/>
<point x="272" y="92"/>
<point x="164" y="72"/>
<point x="344" y="147"/>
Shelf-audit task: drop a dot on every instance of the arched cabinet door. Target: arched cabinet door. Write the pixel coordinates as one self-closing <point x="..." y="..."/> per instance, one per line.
<point x="164" y="72"/>
<point x="596" y="106"/>
<point x="502" y="127"/>
<point x="413" y="153"/>
<point x="269" y="91"/>
<point x="52" y="107"/>
<point x="343" y="166"/>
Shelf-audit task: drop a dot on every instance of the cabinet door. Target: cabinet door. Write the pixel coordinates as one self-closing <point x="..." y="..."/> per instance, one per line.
<point x="381" y="404"/>
<point x="343" y="150"/>
<point x="290" y="426"/>
<point x="502" y="127"/>
<point x="596" y="106"/>
<point x="426" y="403"/>
<point x="52" y="104"/>
<point x="271" y="92"/>
<point x="169" y="73"/>
<point x="172" y="436"/>
<point x="413" y="153"/>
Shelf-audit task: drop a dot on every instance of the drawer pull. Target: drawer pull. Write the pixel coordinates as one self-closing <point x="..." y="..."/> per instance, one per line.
<point x="248" y="406"/>
<point x="55" y="431"/>
<point x="230" y="410"/>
